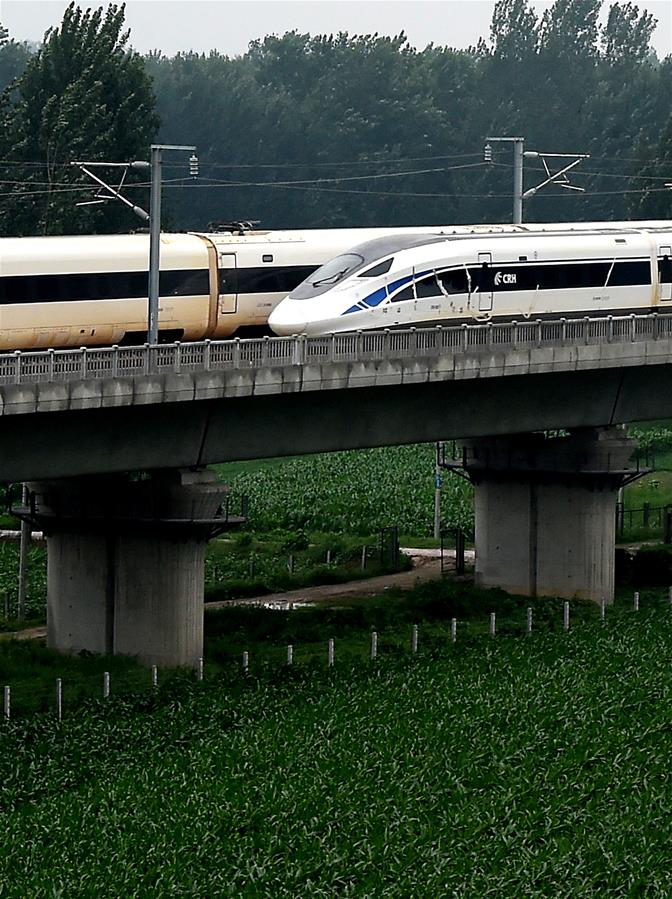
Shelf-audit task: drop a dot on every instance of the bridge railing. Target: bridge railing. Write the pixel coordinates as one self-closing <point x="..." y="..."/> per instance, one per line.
<point x="55" y="366"/>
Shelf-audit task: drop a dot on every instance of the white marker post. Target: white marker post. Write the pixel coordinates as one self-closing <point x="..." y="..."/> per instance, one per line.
<point x="453" y="630"/>
<point x="246" y="662"/>
<point x="106" y="684"/>
<point x="603" y="606"/>
<point x="290" y="654"/>
<point x="529" y="620"/>
<point x="155" y="677"/>
<point x="635" y="601"/>
<point x="493" y="623"/>
<point x="7" y="702"/>
<point x="330" y="653"/>
<point x="200" y="669"/>
<point x="328" y="557"/>
<point x="414" y="638"/>
<point x="59" y="699"/>
<point x="565" y="615"/>
<point x="374" y="645"/>
<point x="364" y="561"/>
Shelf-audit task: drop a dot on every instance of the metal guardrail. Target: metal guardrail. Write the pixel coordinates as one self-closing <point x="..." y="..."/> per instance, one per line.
<point x="361" y="346"/>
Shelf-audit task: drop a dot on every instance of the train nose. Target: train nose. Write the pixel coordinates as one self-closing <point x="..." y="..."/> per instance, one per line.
<point x="288" y="318"/>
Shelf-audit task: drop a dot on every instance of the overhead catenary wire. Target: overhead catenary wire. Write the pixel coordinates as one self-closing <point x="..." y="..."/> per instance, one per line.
<point x="367" y="193"/>
<point x="284" y="165"/>
<point x="321" y="184"/>
<point x="585" y="172"/>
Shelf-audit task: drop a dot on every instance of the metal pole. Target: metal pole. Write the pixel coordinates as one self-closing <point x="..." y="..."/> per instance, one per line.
<point x="518" y="180"/>
<point x="437" y="493"/>
<point x="154" y="247"/>
<point x="23" y="558"/>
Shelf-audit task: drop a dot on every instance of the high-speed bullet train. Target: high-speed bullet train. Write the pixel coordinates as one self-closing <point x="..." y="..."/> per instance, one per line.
<point x="92" y="290"/>
<point x="410" y="280"/>
<point x="79" y="291"/>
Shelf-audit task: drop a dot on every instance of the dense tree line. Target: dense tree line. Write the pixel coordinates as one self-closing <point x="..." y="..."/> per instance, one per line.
<point x="315" y="130"/>
<point x="82" y="96"/>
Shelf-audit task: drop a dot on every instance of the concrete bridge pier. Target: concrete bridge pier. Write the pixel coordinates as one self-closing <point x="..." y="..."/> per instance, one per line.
<point x="125" y="563"/>
<point x="545" y="510"/>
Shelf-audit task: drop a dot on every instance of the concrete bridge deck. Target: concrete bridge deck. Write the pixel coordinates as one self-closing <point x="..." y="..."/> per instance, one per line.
<point x="132" y="408"/>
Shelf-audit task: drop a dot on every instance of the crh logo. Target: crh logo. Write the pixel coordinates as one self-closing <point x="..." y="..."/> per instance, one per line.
<point x="504" y="279"/>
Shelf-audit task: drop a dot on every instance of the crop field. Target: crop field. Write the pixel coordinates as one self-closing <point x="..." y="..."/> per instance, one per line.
<point x="516" y="766"/>
<point x="355" y="492"/>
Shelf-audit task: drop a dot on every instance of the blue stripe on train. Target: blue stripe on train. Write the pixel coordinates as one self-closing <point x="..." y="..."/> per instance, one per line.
<point x="377" y="297"/>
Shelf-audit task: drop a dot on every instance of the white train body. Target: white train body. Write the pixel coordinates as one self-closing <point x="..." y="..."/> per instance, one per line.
<point x="79" y="291"/>
<point x="92" y="290"/>
<point x="412" y="281"/>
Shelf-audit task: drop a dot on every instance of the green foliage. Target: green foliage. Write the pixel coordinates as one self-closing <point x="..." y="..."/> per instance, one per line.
<point x="36" y="574"/>
<point x="260" y="565"/>
<point x="83" y="95"/>
<point x="511" y="767"/>
<point x="355" y="493"/>
<point x="315" y="105"/>
<point x="319" y="108"/>
<point x="652" y="439"/>
<point x="13" y="58"/>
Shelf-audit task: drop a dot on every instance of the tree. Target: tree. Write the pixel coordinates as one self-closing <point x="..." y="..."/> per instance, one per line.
<point x="13" y="58"/>
<point x="514" y="31"/>
<point x="655" y="200"/>
<point x="626" y="37"/>
<point x="84" y="95"/>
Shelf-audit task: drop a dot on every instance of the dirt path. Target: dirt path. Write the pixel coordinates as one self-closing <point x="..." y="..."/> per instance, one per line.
<point x="30" y="633"/>
<point x="426" y="567"/>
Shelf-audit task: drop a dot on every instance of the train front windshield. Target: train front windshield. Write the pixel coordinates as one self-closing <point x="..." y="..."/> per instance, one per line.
<point x="357" y="260"/>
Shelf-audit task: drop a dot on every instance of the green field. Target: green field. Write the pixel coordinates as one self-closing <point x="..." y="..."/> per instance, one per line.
<point x="354" y="492"/>
<point x="514" y="767"/>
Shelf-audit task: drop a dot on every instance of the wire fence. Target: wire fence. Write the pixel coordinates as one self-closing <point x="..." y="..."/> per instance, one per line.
<point x="650" y="520"/>
<point x="60" y="700"/>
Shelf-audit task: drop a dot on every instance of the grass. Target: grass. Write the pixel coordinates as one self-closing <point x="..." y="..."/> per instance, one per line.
<point x="510" y="767"/>
<point x="31" y="670"/>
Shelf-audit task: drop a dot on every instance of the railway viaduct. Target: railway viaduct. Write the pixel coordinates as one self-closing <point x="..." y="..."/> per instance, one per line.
<point x="114" y="443"/>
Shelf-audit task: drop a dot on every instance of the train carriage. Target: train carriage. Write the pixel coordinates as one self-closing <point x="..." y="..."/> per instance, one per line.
<point x="417" y="281"/>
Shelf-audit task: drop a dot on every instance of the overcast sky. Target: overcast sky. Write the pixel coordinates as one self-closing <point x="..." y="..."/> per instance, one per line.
<point x="229" y="25"/>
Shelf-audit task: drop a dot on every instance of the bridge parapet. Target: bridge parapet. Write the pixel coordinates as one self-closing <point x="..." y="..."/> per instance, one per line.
<point x="67" y="366"/>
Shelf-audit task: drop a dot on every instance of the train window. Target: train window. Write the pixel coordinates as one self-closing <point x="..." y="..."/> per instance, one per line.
<point x="484" y="278"/>
<point x="405" y="294"/>
<point x="428" y="287"/>
<point x="625" y="274"/>
<point x="183" y="283"/>
<point x="336" y="269"/>
<point x="454" y="281"/>
<point x="379" y="269"/>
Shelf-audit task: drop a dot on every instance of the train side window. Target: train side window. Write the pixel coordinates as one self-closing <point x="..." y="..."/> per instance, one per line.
<point x="454" y="281"/>
<point x="665" y="269"/>
<point x="405" y="294"/>
<point x="428" y="287"/>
